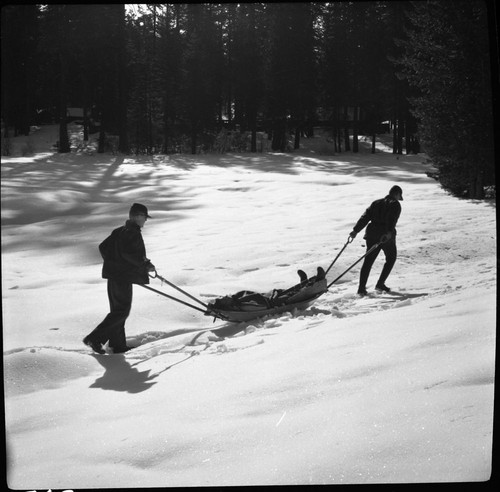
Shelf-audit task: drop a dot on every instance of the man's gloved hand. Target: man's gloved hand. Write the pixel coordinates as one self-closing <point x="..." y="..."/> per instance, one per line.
<point x="353" y="234"/>
<point x="386" y="237"/>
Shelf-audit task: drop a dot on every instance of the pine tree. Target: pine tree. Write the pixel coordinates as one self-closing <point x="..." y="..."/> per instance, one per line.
<point x="201" y="72"/>
<point x="290" y="69"/>
<point x="19" y="68"/>
<point x="121" y="60"/>
<point x="245" y="59"/>
<point x="57" y="42"/>
<point x="170" y="48"/>
<point x="447" y="60"/>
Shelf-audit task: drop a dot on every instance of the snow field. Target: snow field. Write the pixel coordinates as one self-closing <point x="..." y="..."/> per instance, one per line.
<point x="385" y="389"/>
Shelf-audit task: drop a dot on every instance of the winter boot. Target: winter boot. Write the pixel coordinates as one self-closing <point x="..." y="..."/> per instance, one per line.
<point x="302" y="275"/>
<point x="96" y="347"/>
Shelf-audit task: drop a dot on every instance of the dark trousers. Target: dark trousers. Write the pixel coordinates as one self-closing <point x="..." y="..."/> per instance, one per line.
<point x="390" y="250"/>
<point x="112" y="327"/>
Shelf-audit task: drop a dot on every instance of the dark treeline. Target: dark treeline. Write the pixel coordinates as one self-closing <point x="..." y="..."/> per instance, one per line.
<point x="190" y="77"/>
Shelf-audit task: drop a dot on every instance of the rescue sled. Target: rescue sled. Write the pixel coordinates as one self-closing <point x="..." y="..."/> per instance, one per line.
<point x="247" y="305"/>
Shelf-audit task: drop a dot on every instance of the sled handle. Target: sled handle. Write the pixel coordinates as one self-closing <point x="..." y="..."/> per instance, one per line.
<point x="373" y="248"/>
<point x="179" y="289"/>
<point x="349" y="241"/>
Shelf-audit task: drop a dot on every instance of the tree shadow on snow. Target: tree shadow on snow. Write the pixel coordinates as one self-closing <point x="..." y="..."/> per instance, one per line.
<point x="67" y="186"/>
<point x="381" y="165"/>
<point x="119" y="375"/>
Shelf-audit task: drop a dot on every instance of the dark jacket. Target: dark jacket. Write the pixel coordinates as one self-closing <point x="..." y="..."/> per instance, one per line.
<point x="127" y="261"/>
<point x="381" y="216"/>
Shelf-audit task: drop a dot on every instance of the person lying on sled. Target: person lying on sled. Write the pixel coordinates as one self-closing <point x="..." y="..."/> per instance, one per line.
<point x="278" y="297"/>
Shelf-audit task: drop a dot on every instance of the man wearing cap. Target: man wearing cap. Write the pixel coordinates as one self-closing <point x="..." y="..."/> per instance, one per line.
<point x="381" y="217"/>
<point x="125" y="263"/>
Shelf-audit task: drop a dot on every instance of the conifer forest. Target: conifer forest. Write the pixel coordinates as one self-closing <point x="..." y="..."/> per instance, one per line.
<point x="220" y="77"/>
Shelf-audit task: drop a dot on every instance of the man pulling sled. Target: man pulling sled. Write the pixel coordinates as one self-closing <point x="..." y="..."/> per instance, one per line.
<point x="125" y="263"/>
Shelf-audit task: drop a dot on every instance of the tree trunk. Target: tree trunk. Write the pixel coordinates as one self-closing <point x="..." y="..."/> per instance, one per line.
<point x="102" y="139"/>
<point x="193" y="140"/>
<point x="279" y="139"/>
<point x="296" y="144"/>
<point x="408" y="144"/>
<point x="101" y="146"/>
<point x="165" y="126"/>
<point x="355" y="144"/>
<point x="85" y="97"/>
<point x="123" y="144"/>
<point x="334" y="137"/>
<point x="252" y="116"/>
<point x="347" y="143"/>
<point x="86" y="123"/>
<point x="150" y="128"/>
<point x="64" y="147"/>
<point x="395" y="137"/>
<point x="253" y="142"/>
<point x="476" y="187"/>
<point x="401" y="130"/>
<point x="339" y="136"/>
<point x="336" y="130"/>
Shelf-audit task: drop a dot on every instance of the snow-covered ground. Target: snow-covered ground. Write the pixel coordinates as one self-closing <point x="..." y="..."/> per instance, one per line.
<point x="384" y="389"/>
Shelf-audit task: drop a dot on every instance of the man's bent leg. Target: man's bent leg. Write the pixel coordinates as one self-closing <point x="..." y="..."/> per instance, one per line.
<point x="120" y="295"/>
<point x="391" y="253"/>
<point x="367" y="265"/>
<point x="113" y="325"/>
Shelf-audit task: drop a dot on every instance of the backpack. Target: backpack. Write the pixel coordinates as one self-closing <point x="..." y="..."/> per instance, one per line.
<point x="108" y="248"/>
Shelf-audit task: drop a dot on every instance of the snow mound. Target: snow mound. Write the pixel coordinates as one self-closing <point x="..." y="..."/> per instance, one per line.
<point x="37" y="368"/>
